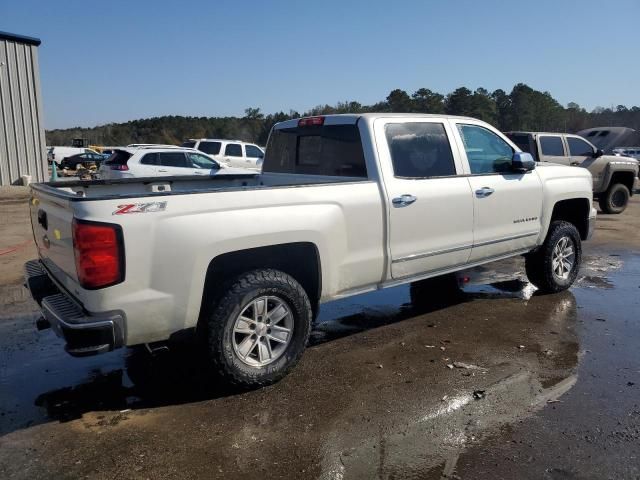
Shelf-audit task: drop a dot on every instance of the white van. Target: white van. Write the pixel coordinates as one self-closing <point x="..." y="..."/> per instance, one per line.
<point x="234" y="153"/>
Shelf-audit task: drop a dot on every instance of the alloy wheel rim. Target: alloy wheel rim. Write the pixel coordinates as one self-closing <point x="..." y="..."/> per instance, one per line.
<point x="263" y="331"/>
<point x="563" y="258"/>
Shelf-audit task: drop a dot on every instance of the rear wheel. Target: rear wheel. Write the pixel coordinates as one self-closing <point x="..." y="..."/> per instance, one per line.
<point x="554" y="266"/>
<point x="615" y="199"/>
<point x="259" y="328"/>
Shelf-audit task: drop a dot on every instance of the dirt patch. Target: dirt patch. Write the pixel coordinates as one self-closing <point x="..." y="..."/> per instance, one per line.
<point x="16" y="240"/>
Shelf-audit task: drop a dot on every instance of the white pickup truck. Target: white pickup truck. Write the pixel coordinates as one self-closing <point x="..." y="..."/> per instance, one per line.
<point x="346" y="204"/>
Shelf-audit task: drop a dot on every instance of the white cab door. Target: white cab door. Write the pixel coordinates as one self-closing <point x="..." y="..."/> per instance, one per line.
<point x="430" y="205"/>
<point x="507" y="205"/>
<point x="234" y="155"/>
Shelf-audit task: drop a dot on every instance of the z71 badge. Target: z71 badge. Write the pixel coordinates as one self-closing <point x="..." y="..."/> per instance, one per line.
<point x="140" y="208"/>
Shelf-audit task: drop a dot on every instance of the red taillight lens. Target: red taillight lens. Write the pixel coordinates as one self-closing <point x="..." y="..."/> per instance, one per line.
<point x="310" y="121"/>
<point x="99" y="253"/>
<point x="117" y="166"/>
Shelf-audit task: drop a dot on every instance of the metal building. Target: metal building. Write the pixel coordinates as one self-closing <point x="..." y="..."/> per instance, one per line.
<point x="22" y="142"/>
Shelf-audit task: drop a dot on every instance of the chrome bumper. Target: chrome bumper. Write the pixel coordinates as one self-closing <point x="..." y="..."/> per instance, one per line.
<point x="85" y="333"/>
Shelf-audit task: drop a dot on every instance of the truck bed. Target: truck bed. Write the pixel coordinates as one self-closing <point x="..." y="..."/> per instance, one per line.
<point x="180" y="185"/>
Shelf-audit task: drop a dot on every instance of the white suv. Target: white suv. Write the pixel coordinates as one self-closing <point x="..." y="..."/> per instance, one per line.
<point x="155" y="161"/>
<point x="234" y="153"/>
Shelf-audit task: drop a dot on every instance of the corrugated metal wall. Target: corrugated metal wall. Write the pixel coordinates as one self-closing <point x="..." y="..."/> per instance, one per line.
<point x="22" y="143"/>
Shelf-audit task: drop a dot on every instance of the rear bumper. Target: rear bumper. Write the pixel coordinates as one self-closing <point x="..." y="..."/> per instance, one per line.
<point x="85" y="333"/>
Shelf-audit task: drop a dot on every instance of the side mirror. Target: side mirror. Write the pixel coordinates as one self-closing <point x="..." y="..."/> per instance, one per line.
<point x="598" y="153"/>
<point x="522" y="162"/>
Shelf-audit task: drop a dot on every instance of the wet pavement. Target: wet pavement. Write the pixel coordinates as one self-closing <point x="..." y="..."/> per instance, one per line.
<point x="493" y="381"/>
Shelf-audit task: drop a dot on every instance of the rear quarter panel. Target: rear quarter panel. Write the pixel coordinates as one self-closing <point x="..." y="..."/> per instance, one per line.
<point x="168" y="252"/>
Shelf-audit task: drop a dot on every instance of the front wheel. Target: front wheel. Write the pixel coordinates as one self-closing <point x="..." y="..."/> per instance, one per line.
<point x="615" y="199"/>
<point x="554" y="266"/>
<point x="259" y="328"/>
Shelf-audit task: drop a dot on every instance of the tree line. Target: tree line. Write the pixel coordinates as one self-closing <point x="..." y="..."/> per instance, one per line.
<point x="524" y="108"/>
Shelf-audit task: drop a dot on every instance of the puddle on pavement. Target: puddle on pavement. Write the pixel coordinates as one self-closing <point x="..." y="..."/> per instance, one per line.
<point x="525" y="343"/>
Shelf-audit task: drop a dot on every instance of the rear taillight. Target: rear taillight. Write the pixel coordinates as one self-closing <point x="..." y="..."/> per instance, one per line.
<point x="117" y="166"/>
<point x="310" y="121"/>
<point x="99" y="253"/>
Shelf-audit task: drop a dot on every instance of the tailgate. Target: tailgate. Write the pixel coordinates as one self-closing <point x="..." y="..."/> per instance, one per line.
<point x="52" y="222"/>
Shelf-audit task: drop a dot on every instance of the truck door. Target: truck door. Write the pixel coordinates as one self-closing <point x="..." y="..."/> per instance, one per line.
<point x="233" y="155"/>
<point x="552" y="149"/>
<point x="507" y="204"/>
<point x="430" y="205"/>
<point x="580" y="151"/>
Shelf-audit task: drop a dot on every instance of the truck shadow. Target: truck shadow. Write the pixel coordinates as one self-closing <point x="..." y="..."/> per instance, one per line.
<point x="176" y="376"/>
<point x="136" y="379"/>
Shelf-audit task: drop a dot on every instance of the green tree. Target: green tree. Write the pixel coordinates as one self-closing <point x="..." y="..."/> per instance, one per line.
<point x="399" y="101"/>
<point x="426" y="101"/>
<point x="459" y="102"/>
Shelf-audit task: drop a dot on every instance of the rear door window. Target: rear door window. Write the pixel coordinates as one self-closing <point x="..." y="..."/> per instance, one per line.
<point x="149" y="159"/>
<point x="420" y="150"/>
<point x="172" y="159"/>
<point x="333" y="150"/>
<point x="211" y="148"/>
<point x="551" y="146"/>
<point x="233" y="150"/>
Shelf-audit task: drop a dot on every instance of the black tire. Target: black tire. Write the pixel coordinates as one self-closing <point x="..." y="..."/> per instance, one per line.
<point x="615" y="199"/>
<point x="230" y="304"/>
<point x="539" y="264"/>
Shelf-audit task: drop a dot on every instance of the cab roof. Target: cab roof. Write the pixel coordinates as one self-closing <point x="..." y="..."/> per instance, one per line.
<point x="352" y="118"/>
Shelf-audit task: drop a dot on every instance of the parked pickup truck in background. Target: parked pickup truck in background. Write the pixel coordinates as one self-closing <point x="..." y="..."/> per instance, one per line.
<point x="346" y="204"/>
<point x="614" y="178"/>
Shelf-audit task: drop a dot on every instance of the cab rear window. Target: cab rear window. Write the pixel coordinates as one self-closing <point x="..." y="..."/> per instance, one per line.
<point x="333" y="150"/>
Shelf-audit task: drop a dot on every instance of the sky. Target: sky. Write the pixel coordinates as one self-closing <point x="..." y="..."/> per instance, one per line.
<point x="103" y="62"/>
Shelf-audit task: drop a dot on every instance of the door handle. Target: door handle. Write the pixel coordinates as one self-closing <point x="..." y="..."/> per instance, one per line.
<point x="574" y="164"/>
<point x="162" y="170"/>
<point x="198" y="173"/>
<point x="484" y="192"/>
<point x="403" y="200"/>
